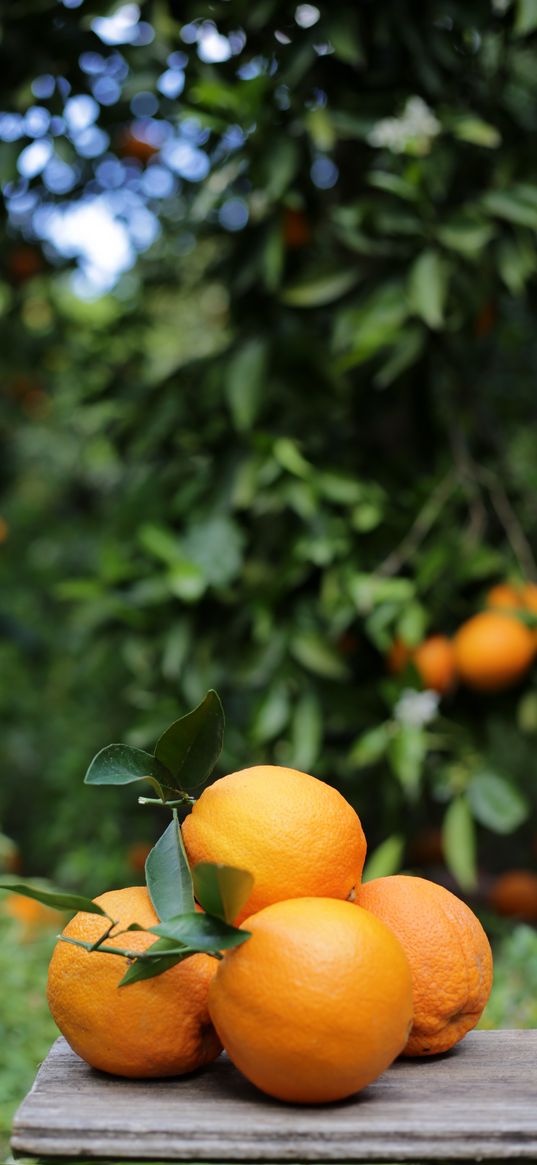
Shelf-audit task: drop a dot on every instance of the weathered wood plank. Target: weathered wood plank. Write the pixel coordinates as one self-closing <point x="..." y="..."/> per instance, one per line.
<point x="477" y="1102"/>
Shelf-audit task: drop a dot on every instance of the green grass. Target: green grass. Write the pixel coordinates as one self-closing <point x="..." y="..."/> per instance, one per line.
<point x="27" y="1030"/>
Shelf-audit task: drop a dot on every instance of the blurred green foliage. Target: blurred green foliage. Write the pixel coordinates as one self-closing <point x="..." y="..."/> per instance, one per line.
<point x="300" y="429"/>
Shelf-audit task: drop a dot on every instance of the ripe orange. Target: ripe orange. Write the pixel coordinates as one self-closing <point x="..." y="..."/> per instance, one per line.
<point x="155" y="1027"/>
<point x="296" y="228"/>
<point x="297" y="836"/>
<point x="398" y="656"/>
<point x="316" y="1004"/>
<point x="32" y="917"/>
<point x="514" y="894"/>
<point x="504" y="596"/>
<point x="435" y="661"/>
<point x="449" y="955"/>
<point x="493" y="650"/>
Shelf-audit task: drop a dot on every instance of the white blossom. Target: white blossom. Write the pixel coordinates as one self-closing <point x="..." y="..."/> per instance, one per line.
<point x="416" y="708"/>
<point x="414" y="130"/>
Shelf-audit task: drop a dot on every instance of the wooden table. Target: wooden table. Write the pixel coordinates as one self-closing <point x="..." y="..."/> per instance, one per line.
<point x="477" y="1102"/>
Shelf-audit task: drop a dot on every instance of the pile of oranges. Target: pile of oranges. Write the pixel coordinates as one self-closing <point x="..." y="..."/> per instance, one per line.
<point x="336" y="979"/>
<point x="491" y="651"/>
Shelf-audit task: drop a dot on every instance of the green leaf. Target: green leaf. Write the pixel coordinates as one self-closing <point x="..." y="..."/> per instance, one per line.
<point x="272" y="713"/>
<point x="392" y="184"/>
<point x="121" y="764"/>
<point x="513" y="205"/>
<point x="319" y="290"/>
<point x="496" y="803"/>
<point x="517" y="262"/>
<point x="244" y="383"/>
<point x="526" y="17"/>
<point x="306" y="732"/>
<point x="168" y="876"/>
<point x="185" y="581"/>
<point x="201" y="932"/>
<point x="386" y="859"/>
<point x="412" y="623"/>
<point x="465" y="236"/>
<point x="190" y="747"/>
<point x="56" y="899"/>
<point x="221" y="890"/>
<point x="479" y="133"/>
<point x="371" y="745"/>
<point x="288" y="455"/>
<point x="317" y="655"/>
<point x="427" y="288"/>
<point x="150" y="968"/>
<point x="160" y="957"/>
<point x="343" y="32"/>
<point x="405" y="352"/>
<point x="161" y="543"/>
<point x="406" y="752"/>
<point x="459" y="844"/>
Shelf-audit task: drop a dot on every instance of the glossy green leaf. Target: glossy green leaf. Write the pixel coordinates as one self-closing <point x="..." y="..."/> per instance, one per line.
<point x="317" y="655"/>
<point x="427" y="288"/>
<point x="386" y="858"/>
<point x="319" y="290"/>
<point x="517" y="261"/>
<point x="512" y="205"/>
<point x="245" y="382"/>
<point x="168" y="876"/>
<point x="372" y="745"/>
<point x="221" y="890"/>
<point x="459" y="843"/>
<point x="526" y="17"/>
<point x="149" y="968"/>
<point x="465" y="236"/>
<point x="201" y="932"/>
<point x="405" y="352"/>
<point x="272" y="713"/>
<point x="393" y="184"/>
<point x="496" y="803"/>
<point x="56" y="899"/>
<point x="345" y="37"/>
<point x="121" y="764"/>
<point x="406" y="753"/>
<point x="476" y="131"/>
<point x="190" y="747"/>
<point x="306" y="731"/>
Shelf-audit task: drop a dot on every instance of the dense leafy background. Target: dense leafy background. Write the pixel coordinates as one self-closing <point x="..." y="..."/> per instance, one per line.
<point x="300" y="425"/>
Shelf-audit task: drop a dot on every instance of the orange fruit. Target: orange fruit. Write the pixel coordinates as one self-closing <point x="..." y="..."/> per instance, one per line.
<point x="528" y="596"/>
<point x="296" y="228"/>
<point x="449" y="955"/>
<point x="130" y="145"/>
<point x="295" y="834"/>
<point x="155" y="1027"/>
<point x="435" y="662"/>
<point x="398" y="657"/>
<point x="514" y="894"/>
<point x="493" y="650"/>
<point x="504" y="596"/>
<point x="32" y="916"/>
<point x="24" y="262"/>
<point x="316" y="1004"/>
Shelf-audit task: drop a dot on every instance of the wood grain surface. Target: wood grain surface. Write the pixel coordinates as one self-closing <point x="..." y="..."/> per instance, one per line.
<point x="478" y="1101"/>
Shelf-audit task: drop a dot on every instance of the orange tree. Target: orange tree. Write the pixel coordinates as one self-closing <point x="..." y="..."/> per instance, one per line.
<point x="301" y="431"/>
